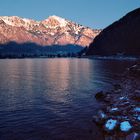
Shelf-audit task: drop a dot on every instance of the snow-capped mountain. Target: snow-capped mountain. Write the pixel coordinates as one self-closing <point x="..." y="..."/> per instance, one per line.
<point x="51" y="31"/>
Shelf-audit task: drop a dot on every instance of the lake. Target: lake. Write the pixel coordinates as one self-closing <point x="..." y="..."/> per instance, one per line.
<point x="53" y="99"/>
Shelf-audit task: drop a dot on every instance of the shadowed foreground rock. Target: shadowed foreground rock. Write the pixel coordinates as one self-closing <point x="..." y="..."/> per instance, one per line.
<point x="119" y="116"/>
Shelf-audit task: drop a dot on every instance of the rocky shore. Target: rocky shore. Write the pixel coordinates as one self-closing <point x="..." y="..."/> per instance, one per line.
<point x="119" y="115"/>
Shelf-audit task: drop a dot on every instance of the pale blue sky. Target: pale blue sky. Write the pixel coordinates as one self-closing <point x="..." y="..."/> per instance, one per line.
<point x="92" y="13"/>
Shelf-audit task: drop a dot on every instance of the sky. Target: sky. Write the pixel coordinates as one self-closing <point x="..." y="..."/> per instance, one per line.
<point x="96" y="14"/>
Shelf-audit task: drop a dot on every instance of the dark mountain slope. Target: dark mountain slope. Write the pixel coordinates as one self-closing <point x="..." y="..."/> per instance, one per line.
<point x="123" y="37"/>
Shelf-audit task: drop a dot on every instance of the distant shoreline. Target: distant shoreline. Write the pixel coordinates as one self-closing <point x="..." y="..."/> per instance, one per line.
<point x="133" y="58"/>
<point x="114" y="57"/>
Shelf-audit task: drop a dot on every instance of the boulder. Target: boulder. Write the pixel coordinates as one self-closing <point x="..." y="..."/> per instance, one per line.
<point x="100" y="95"/>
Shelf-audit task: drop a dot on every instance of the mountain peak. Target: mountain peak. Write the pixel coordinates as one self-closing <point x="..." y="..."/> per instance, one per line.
<point x="9" y="20"/>
<point x="56" y="17"/>
<point x="56" y="20"/>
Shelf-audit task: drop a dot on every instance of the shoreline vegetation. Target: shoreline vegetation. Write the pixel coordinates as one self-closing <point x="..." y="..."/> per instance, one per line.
<point x="32" y="50"/>
<point x="119" y="115"/>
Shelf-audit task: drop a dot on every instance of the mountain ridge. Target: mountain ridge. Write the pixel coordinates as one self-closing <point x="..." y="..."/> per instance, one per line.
<point x="52" y="31"/>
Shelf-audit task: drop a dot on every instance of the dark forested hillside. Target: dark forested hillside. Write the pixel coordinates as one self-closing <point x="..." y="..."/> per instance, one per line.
<point x="122" y="37"/>
<point x="15" y="50"/>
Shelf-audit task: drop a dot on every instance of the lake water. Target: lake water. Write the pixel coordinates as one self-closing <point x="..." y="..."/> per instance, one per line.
<point x="53" y="99"/>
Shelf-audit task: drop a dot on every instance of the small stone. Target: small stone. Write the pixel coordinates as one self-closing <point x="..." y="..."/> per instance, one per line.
<point x="137" y="91"/>
<point x="117" y="91"/>
<point x="100" y="95"/>
<point x="124" y="104"/>
<point x="123" y="98"/>
<point x="136" y="95"/>
<point x="100" y="117"/>
<point x="114" y="109"/>
<point x="101" y="114"/>
<point x="96" y="119"/>
<point x="117" y="86"/>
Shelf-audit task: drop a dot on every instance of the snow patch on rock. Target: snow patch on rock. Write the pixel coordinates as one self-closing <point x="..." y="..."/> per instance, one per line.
<point x="8" y="20"/>
<point x="125" y="126"/>
<point x="111" y="124"/>
<point x="114" y="109"/>
<point x="123" y="98"/>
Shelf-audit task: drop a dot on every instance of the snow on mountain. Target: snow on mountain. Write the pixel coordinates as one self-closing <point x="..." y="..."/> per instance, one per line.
<point x="62" y="21"/>
<point x="51" y="31"/>
<point x="19" y="22"/>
